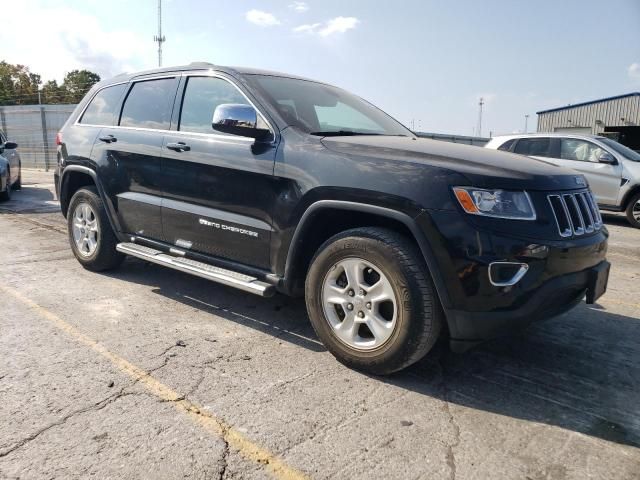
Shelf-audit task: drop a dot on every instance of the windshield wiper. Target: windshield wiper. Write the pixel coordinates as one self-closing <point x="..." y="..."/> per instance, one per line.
<point x="341" y="133"/>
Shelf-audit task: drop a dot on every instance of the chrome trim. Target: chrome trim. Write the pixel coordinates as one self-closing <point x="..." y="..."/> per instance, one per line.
<point x="516" y="277"/>
<point x="579" y="230"/>
<point x="589" y="224"/>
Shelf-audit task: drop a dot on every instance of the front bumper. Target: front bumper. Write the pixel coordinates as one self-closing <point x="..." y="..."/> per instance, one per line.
<point x="558" y="276"/>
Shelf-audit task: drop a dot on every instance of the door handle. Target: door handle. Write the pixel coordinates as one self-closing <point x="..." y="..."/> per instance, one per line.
<point x="108" y="139"/>
<point x="178" y="147"/>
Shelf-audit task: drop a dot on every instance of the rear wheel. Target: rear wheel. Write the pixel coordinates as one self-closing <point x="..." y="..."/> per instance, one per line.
<point x="633" y="211"/>
<point x="371" y="300"/>
<point x="90" y="234"/>
<point x="6" y="194"/>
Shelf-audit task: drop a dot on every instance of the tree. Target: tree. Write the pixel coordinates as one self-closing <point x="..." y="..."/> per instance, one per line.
<point x="77" y="83"/>
<point x="18" y="86"/>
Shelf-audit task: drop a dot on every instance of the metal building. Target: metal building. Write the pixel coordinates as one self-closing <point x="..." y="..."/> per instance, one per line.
<point x="617" y="117"/>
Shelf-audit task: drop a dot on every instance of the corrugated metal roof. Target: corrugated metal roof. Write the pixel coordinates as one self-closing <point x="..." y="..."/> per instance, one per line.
<point x="632" y="94"/>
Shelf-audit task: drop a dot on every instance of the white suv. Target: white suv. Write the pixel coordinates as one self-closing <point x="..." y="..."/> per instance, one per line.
<point x="613" y="170"/>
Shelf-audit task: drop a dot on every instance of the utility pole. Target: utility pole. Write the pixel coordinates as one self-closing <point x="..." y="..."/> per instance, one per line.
<point x="480" y="104"/>
<point x="159" y="38"/>
<point x="526" y="121"/>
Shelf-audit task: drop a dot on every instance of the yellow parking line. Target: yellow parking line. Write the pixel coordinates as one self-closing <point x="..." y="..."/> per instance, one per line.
<point x="212" y="424"/>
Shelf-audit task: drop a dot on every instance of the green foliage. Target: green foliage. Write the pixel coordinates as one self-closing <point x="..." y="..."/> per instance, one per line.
<point x="18" y="86"/>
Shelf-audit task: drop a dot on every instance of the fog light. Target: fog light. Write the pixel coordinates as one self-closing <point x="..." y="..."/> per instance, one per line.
<point x="506" y="274"/>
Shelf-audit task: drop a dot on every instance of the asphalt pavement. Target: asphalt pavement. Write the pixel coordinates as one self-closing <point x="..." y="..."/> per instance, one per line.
<point x="145" y="372"/>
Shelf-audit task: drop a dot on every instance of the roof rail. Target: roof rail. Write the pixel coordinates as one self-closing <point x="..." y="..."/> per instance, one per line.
<point x="201" y="64"/>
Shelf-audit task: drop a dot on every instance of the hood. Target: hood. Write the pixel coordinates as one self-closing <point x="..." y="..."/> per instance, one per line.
<point x="485" y="168"/>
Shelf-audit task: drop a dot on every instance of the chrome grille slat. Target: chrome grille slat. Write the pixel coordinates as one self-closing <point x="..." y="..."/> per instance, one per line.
<point x="575" y="213"/>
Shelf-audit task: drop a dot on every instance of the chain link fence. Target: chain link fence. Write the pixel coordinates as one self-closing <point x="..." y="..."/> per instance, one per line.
<point x="34" y="128"/>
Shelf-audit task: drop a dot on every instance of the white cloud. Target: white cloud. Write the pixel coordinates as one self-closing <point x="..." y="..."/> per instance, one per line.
<point x="634" y="71"/>
<point x="73" y="40"/>
<point x="335" y="25"/>
<point x="262" y="19"/>
<point x="299" y="7"/>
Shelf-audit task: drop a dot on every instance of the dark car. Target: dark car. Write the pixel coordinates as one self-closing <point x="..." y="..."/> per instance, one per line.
<point x="272" y="183"/>
<point x="10" y="168"/>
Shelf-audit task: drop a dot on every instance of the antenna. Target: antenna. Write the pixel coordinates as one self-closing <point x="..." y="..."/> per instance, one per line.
<point x="480" y="104"/>
<point x="159" y="38"/>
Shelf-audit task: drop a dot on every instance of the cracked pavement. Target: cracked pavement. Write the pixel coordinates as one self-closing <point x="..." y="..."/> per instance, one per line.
<point x="559" y="402"/>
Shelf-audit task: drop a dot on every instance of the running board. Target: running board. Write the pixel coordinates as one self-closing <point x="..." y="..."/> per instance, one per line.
<point x="215" y="274"/>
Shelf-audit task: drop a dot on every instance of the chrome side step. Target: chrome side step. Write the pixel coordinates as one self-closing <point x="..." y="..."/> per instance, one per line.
<point x="215" y="274"/>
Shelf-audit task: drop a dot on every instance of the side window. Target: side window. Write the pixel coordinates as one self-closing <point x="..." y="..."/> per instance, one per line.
<point x="103" y="106"/>
<point x="580" y="150"/>
<point x="343" y="117"/>
<point x="148" y="104"/>
<point x="201" y="97"/>
<point x="533" y="147"/>
<point x="506" y="146"/>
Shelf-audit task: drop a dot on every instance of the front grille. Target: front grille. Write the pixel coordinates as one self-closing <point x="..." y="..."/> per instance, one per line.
<point x="575" y="213"/>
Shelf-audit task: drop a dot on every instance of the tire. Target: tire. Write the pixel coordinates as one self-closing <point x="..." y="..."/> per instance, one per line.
<point x="17" y="185"/>
<point x="6" y="195"/>
<point x="633" y="211"/>
<point x="407" y="326"/>
<point x="94" y="242"/>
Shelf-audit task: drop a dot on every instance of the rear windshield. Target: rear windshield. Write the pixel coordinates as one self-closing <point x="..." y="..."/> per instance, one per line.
<point x="621" y="149"/>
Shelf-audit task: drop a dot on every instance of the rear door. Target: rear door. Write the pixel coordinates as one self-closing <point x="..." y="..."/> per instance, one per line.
<point x="130" y="153"/>
<point x="219" y="189"/>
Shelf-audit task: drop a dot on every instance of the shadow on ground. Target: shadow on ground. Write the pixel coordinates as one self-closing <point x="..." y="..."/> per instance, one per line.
<point x="578" y="371"/>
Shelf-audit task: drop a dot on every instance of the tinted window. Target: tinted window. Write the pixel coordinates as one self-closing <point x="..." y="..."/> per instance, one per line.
<point x="201" y="97"/>
<point x="506" y="146"/>
<point x="580" y="150"/>
<point x="321" y="109"/>
<point x="534" y="147"/>
<point x="103" y="106"/>
<point x="148" y="104"/>
<point x="622" y="149"/>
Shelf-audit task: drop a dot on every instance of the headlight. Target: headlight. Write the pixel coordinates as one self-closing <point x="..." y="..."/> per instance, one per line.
<point x="495" y="203"/>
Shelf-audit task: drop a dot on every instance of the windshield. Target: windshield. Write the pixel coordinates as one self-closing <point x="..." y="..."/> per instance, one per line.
<point x="324" y="110"/>
<point x="621" y="149"/>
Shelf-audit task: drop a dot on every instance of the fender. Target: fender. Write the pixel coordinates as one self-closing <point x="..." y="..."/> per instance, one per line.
<point x="409" y="222"/>
<point x="111" y="214"/>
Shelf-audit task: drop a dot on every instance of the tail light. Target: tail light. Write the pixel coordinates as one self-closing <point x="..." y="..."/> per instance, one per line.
<point x="58" y="138"/>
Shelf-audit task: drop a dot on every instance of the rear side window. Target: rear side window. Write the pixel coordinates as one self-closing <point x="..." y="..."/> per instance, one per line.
<point x="506" y="146"/>
<point x="148" y="104"/>
<point x="201" y="97"/>
<point x="533" y="147"/>
<point x="103" y="106"/>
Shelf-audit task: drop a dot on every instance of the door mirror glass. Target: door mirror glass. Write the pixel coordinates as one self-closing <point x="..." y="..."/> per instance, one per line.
<point x="10" y="145"/>
<point x="237" y="119"/>
<point x="606" y="157"/>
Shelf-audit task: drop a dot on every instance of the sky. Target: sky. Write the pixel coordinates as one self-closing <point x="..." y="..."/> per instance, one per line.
<point x="426" y="62"/>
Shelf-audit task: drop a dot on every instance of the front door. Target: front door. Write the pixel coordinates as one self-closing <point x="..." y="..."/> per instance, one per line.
<point x="218" y="189"/>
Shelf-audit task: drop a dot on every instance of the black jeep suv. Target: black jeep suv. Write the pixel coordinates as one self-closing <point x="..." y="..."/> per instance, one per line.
<point x="268" y="182"/>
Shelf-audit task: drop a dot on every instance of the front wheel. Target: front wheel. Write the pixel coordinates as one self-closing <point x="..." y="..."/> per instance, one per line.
<point x="90" y="234"/>
<point x="633" y="211"/>
<point x="371" y="300"/>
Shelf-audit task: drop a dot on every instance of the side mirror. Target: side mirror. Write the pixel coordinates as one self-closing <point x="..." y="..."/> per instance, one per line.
<point x="606" y="157"/>
<point x="237" y="119"/>
<point x="9" y="145"/>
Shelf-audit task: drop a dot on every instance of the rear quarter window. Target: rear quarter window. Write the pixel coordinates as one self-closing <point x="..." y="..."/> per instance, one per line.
<point x="506" y="146"/>
<point x="103" y="106"/>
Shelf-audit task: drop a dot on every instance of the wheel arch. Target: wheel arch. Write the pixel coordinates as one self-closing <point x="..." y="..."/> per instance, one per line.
<point x="633" y="191"/>
<point x="75" y="177"/>
<point x="313" y="230"/>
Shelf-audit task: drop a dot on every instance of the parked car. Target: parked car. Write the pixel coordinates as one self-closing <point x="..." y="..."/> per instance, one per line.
<point x="269" y="183"/>
<point x="613" y="170"/>
<point x="10" y="168"/>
